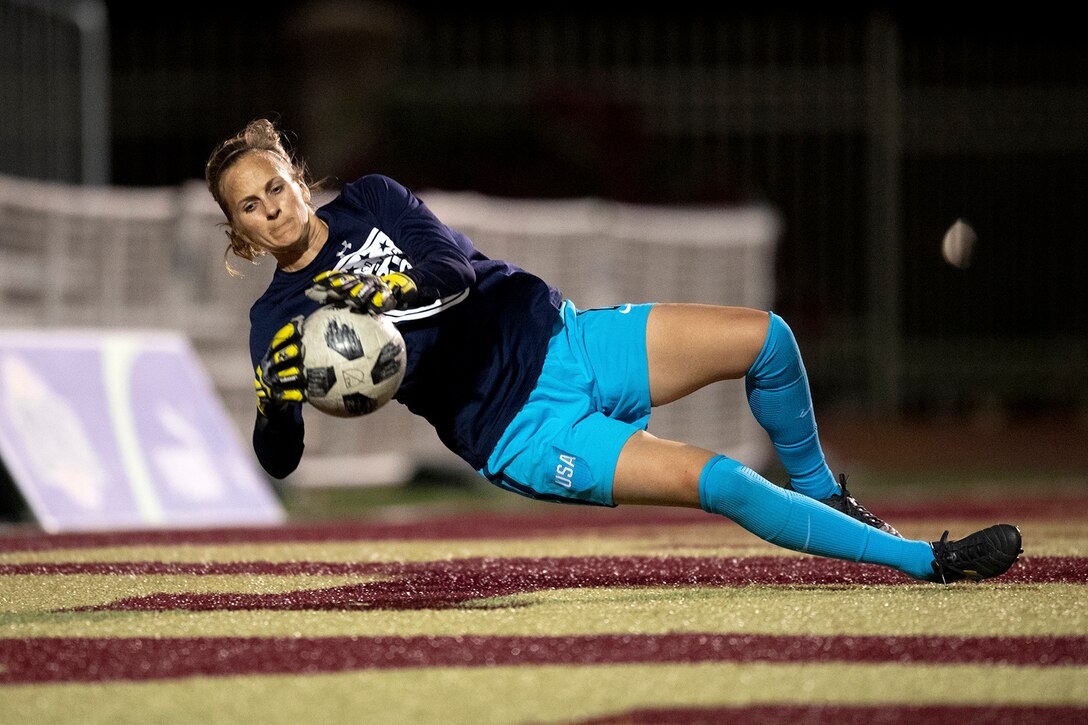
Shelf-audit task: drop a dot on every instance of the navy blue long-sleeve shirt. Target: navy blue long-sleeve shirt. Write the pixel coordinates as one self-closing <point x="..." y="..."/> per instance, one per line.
<point x="475" y="345"/>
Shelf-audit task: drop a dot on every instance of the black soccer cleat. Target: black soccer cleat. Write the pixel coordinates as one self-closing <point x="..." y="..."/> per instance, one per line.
<point x="981" y="555"/>
<point x="849" y="505"/>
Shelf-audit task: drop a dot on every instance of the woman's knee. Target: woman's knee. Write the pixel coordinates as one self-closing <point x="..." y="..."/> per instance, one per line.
<point x="655" y="471"/>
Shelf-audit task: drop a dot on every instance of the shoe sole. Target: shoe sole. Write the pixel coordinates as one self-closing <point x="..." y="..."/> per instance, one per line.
<point x="1007" y="547"/>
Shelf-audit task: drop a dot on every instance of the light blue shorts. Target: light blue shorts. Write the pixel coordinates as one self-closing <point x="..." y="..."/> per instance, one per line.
<point x="593" y="394"/>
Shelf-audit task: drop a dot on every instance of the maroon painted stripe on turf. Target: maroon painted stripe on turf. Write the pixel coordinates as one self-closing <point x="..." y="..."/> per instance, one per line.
<point x="581" y="520"/>
<point x="453" y="583"/>
<point x="462" y="526"/>
<point x="448" y="584"/>
<point x="458" y="582"/>
<point x="850" y="715"/>
<point x="86" y="659"/>
<point x="731" y="571"/>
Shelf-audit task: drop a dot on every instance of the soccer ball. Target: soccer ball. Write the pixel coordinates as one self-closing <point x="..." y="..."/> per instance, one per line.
<point x="354" y="361"/>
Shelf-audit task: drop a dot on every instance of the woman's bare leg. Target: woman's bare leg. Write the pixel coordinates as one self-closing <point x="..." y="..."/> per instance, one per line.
<point x="691" y="346"/>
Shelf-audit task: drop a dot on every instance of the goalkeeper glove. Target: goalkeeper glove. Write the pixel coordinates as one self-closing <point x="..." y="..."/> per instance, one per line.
<point x="279" y="379"/>
<point x="365" y="292"/>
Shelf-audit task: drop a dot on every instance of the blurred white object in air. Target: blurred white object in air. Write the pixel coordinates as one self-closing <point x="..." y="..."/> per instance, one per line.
<point x="959" y="244"/>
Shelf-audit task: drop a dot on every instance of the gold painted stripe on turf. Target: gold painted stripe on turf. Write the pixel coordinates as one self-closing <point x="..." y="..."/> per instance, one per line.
<point x="48" y="593"/>
<point x="1017" y="610"/>
<point x="534" y="694"/>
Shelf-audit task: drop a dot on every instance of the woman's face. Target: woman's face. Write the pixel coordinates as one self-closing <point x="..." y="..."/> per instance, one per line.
<point x="266" y="206"/>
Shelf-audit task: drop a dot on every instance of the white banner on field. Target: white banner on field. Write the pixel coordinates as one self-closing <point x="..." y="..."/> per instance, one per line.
<point x="121" y="430"/>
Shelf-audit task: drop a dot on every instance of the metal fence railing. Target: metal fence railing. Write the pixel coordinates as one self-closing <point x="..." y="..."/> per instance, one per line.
<point x="871" y="133"/>
<point x="55" y="90"/>
<point x="872" y="136"/>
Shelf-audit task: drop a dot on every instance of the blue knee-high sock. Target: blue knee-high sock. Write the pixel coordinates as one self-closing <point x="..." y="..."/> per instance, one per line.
<point x="778" y="394"/>
<point x="799" y="523"/>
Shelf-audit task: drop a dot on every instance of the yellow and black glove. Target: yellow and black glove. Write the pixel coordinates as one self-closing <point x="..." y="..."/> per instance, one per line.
<point x="402" y="292"/>
<point x="365" y="292"/>
<point x="279" y="379"/>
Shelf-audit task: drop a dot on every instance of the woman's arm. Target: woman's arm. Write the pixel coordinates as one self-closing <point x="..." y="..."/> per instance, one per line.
<point x="439" y="257"/>
<point x="278" y="440"/>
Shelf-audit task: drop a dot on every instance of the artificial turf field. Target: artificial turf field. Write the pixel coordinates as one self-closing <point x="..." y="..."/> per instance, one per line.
<point x="541" y="614"/>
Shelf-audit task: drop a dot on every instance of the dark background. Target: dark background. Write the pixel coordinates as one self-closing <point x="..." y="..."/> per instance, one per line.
<point x="871" y="129"/>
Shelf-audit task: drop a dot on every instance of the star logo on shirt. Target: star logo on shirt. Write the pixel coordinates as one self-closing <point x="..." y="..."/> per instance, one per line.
<point x="377" y="255"/>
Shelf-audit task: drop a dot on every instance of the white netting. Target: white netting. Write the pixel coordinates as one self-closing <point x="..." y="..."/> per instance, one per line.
<point x="74" y="256"/>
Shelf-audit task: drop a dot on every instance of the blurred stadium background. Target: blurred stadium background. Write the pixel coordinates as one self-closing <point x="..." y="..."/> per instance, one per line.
<point x="855" y="137"/>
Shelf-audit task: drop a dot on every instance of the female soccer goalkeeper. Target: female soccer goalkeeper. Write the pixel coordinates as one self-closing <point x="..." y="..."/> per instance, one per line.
<point x="541" y="398"/>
